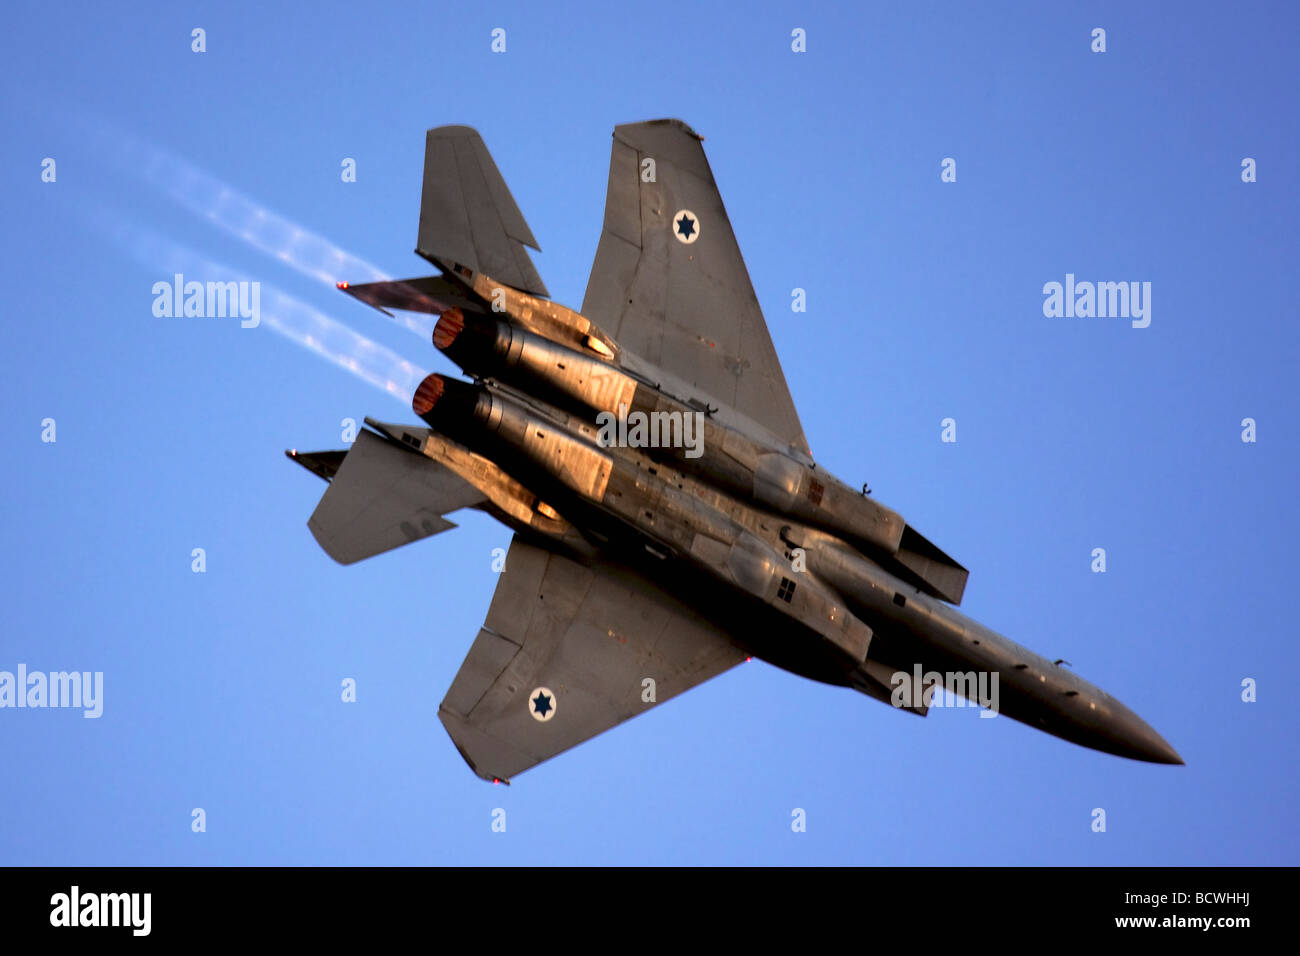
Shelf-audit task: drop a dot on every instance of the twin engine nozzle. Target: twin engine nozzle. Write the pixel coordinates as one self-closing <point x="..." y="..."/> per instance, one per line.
<point x="583" y="384"/>
<point x="468" y="342"/>
<point x="449" y="405"/>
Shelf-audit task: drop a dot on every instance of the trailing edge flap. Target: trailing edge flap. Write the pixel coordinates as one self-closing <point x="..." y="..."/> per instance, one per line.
<point x="384" y="496"/>
<point x="565" y="653"/>
<point x="467" y="215"/>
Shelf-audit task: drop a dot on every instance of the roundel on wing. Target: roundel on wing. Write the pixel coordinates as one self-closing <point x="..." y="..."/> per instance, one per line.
<point x="541" y="704"/>
<point x="686" y="226"/>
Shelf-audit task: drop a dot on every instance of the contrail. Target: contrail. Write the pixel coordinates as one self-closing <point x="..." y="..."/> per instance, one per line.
<point x="297" y="321"/>
<point x="240" y="216"/>
<point x="264" y="230"/>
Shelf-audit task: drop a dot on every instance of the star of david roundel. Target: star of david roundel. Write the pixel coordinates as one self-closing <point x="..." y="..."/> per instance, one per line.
<point x="541" y="704"/>
<point x="686" y="226"/>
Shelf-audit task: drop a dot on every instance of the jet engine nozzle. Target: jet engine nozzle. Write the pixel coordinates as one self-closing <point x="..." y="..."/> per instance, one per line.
<point x="453" y="408"/>
<point x="450" y="324"/>
<point x="430" y="390"/>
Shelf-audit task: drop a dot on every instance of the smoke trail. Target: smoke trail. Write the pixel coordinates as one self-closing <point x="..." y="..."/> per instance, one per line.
<point x="297" y="321"/>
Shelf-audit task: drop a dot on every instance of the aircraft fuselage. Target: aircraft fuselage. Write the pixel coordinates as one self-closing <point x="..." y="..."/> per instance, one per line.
<point x="825" y="606"/>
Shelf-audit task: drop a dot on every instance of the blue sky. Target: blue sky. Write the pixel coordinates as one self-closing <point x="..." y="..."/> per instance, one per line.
<point x="221" y="689"/>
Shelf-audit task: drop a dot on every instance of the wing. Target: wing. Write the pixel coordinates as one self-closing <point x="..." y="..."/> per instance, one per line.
<point x="467" y="214"/>
<point x="685" y="306"/>
<point x="382" y="496"/>
<point x="564" y="654"/>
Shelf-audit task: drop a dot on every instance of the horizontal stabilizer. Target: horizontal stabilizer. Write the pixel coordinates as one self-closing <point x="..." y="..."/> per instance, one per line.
<point x="322" y="464"/>
<point x="467" y="215"/>
<point x="432" y="294"/>
<point x="383" y="496"/>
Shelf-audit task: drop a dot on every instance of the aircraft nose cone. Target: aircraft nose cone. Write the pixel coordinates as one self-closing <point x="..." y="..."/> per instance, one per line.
<point x="1156" y="749"/>
<point x="1137" y="739"/>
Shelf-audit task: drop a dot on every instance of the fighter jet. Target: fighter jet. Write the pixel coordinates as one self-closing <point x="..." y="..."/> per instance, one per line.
<point x="669" y="519"/>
